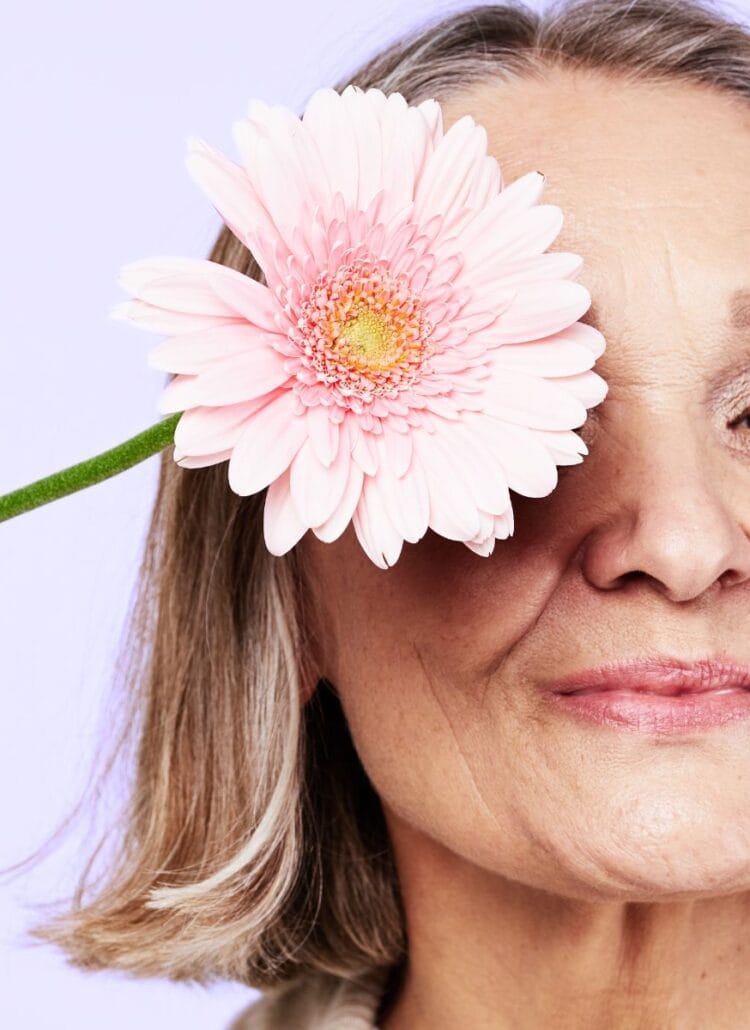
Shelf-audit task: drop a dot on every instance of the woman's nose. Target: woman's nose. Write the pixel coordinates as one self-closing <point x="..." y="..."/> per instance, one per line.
<point x="677" y="514"/>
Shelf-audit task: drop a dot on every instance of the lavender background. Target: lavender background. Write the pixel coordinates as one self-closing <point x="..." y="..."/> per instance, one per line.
<point x="96" y="104"/>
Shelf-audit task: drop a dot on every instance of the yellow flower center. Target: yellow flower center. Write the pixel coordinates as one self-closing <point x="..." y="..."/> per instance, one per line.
<point x="364" y="329"/>
<point x="369" y="334"/>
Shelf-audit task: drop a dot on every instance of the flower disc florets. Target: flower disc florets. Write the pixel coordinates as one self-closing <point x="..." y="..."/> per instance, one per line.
<point x="363" y="331"/>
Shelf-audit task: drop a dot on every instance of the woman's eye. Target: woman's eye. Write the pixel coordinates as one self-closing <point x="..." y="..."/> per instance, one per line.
<point x="744" y="417"/>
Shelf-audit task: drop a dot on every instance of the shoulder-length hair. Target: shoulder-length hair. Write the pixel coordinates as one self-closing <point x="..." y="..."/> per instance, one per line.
<point x="252" y="846"/>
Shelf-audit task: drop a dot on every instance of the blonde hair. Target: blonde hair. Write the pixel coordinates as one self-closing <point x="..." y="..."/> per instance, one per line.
<point x="253" y="847"/>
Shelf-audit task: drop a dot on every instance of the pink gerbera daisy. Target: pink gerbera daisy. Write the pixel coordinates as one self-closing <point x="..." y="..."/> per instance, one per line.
<point x="414" y="355"/>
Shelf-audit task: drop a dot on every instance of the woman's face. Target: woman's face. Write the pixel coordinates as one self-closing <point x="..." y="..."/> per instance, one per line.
<point x="643" y="549"/>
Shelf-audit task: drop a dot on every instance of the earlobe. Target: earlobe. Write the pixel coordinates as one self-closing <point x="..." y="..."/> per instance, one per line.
<point x="308" y="687"/>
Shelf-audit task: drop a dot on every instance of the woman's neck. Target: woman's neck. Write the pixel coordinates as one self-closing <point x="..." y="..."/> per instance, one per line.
<point x="489" y="953"/>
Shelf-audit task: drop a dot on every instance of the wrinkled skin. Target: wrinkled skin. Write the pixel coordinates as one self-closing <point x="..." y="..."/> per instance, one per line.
<point x="554" y="873"/>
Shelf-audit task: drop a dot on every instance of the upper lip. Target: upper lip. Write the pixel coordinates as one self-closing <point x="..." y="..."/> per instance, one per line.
<point x="658" y="675"/>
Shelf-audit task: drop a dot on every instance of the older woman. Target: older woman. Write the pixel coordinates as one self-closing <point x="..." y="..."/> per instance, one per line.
<point x="504" y="791"/>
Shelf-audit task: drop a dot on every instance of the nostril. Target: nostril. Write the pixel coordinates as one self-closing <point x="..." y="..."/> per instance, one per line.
<point x="634" y="574"/>
<point x="730" y="578"/>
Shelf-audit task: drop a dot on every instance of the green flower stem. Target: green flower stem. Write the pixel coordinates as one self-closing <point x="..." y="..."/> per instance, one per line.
<point x="93" y="470"/>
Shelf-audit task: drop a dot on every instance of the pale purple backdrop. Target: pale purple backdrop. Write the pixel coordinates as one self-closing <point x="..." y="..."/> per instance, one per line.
<point x="96" y="104"/>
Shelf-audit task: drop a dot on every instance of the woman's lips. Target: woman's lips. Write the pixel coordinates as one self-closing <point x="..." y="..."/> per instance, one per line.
<point x="657" y="695"/>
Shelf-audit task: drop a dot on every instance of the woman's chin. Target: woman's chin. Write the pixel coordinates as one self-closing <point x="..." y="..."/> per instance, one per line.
<point x="658" y="845"/>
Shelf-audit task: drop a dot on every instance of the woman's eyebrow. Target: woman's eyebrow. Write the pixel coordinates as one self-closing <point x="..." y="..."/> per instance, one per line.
<point x="725" y="382"/>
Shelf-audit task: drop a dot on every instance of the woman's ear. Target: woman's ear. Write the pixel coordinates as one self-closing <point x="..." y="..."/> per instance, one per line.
<point x="308" y="686"/>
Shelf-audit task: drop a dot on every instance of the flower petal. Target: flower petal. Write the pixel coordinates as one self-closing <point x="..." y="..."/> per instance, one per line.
<point x="199" y="461"/>
<point x="191" y="353"/>
<point x="452" y="179"/>
<point x="405" y="138"/>
<point x="202" y="430"/>
<point x="177" y="395"/>
<point x="453" y="513"/>
<point x="480" y="467"/>
<point x="376" y="533"/>
<point x="284" y="166"/>
<point x="333" y="528"/>
<point x="160" y="320"/>
<point x="564" y="446"/>
<point x="266" y="446"/>
<point x="327" y="119"/>
<point x="553" y="264"/>
<point x="396" y="450"/>
<point x="282" y="526"/>
<point x="505" y="229"/>
<point x="365" y="111"/>
<point x="176" y="283"/>
<point x="324" y="433"/>
<point x="588" y="336"/>
<point x="483" y="547"/>
<point x="246" y="296"/>
<point x="532" y="401"/>
<point x="228" y="188"/>
<point x="528" y="466"/>
<point x="539" y="309"/>
<point x="363" y="449"/>
<point x="240" y="377"/>
<point x="588" y="387"/>
<point x="317" y="490"/>
<point x="521" y="194"/>
<point x="550" y="356"/>
<point x="488" y="242"/>
<point x="504" y="524"/>
<point x="405" y="497"/>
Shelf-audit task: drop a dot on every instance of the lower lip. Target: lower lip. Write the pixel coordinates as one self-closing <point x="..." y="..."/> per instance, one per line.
<point x="655" y="713"/>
